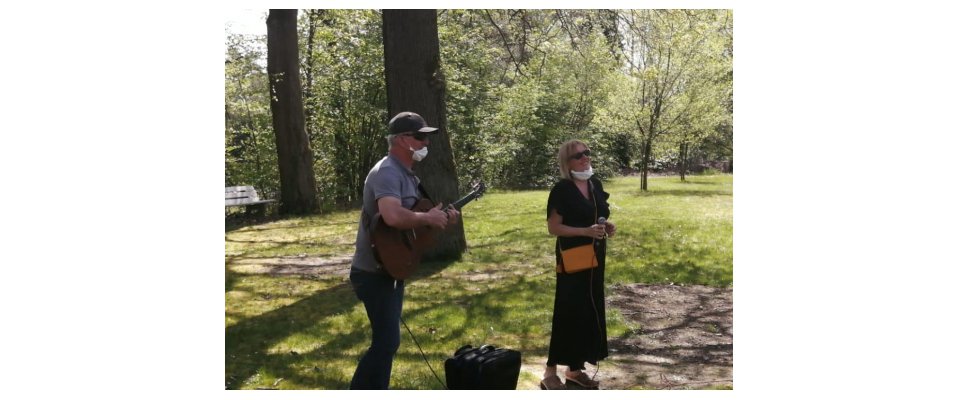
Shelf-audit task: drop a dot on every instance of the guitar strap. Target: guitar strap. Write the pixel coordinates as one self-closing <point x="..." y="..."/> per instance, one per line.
<point x="365" y="219"/>
<point x="423" y="191"/>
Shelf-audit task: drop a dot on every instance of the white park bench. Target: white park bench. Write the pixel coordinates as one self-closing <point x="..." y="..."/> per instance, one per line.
<point x="245" y="196"/>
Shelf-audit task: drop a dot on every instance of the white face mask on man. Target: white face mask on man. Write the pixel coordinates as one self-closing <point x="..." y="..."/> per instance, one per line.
<point x="584" y="175"/>
<point x="419" y="155"/>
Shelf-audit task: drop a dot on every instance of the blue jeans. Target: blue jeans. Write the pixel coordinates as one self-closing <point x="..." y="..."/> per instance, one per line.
<point x="382" y="296"/>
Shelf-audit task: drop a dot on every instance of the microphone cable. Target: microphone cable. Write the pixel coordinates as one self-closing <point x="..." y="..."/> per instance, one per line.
<point x="593" y="303"/>
<point x="596" y="312"/>
<point x="421" y="353"/>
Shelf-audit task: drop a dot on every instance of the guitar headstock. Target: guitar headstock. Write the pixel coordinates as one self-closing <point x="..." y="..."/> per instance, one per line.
<point x="476" y="192"/>
<point x="478" y="189"/>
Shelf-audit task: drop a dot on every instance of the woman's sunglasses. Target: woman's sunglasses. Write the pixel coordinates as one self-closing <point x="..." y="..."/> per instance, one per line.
<point x="577" y="156"/>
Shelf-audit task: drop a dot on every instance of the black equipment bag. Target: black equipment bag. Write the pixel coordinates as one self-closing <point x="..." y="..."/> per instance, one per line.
<point x="486" y="367"/>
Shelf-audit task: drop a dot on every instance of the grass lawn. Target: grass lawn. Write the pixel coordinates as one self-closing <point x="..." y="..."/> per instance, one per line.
<point x="307" y="332"/>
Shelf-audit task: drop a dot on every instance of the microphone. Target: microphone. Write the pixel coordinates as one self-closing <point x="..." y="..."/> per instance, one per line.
<point x="603" y="221"/>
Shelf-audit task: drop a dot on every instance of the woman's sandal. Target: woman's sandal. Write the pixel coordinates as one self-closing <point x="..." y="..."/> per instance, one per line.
<point x="552" y="383"/>
<point x="583" y="381"/>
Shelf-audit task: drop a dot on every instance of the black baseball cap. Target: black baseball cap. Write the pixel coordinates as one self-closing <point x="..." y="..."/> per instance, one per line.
<point x="409" y="122"/>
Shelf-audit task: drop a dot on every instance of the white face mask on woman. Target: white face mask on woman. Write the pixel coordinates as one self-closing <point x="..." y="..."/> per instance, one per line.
<point x="419" y="155"/>
<point x="582" y="175"/>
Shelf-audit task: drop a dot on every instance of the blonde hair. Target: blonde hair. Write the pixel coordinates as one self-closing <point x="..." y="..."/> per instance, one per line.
<point x="563" y="156"/>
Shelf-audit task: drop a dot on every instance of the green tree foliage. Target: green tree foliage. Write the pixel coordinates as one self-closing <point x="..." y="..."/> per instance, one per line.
<point x="250" y="150"/>
<point x="469" y="65"/>
<point x="644" y="88"/>
<point x="669" y="89"/>
<point x="347" y="99"/>
<point x="719" y="144"/>
<point x="544" y="75"/>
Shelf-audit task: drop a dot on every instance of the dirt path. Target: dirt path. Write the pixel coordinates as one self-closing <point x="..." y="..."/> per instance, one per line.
<point x="685" y="339"/>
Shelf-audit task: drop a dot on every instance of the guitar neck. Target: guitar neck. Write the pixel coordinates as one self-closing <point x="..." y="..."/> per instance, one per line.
<point x="462" y="202"/>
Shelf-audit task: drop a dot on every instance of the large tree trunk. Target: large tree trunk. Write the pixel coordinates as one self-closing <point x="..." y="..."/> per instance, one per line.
<point x="298" y="187"/>
<point x="411" y="51"/>
<point x="308" y="93"/>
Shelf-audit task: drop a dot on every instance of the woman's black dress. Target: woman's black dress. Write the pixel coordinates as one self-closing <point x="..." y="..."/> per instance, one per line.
<point x="579" y="331"/>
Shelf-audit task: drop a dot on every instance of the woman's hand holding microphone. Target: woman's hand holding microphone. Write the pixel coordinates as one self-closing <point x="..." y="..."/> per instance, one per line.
<point x="602" y="229"/>
<point x="610" y="228"/>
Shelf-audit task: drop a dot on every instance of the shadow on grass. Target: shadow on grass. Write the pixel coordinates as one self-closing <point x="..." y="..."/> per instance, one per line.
<point x="711" y="344"/>
<point x="694" y="182"/>
<point x="231" y="277"/>
<point x="249" y="341"/>
<point x="664" y="269"/>
<point x="507" y="238"/>
<point x="694" y="315"/>
<point x="484" y="313"/>
<point x="277" y="243"/>
<point x="485" y="300"/>
<point x="281" y="248"/>
<point x="679" y="193"/>
<point x="482" y="304"/>
<point x="237" y="221"/>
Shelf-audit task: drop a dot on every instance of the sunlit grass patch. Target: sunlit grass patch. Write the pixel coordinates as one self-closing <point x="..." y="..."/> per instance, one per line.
<point x="307" y="331"/>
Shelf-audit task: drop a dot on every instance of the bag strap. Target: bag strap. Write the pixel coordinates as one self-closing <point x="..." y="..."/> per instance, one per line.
<point x="592" y="242"/>
<point x="593" y="195"/>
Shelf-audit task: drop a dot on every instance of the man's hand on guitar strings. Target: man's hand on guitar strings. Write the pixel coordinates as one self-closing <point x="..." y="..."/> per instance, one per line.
<point x="436" y="217"/>
<point x="453" y="216"/>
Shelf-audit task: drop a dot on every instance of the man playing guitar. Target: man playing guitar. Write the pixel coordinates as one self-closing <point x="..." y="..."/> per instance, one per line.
<point x="390" y="190"/>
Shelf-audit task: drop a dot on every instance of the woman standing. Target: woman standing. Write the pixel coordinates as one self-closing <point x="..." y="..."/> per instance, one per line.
<point x="579" y="332"/>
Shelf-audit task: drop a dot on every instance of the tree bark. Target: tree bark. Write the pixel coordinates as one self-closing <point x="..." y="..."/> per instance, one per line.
<point x="415" y="82"/>
<point x="298" y="187"/>
<point x="645" y="165"/>
<point x="683" y="161"/>
<point x="308" y="93"/>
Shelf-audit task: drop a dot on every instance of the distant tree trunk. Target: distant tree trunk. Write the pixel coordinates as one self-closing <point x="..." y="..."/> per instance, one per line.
<point x="645" y="164"/>
<point x="684" y="147"/>
<point x="411" y="51"/>
<point x="298" y="187"/>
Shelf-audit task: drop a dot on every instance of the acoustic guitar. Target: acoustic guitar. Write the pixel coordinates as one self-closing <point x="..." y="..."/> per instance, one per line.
<point x="399" y="250"/>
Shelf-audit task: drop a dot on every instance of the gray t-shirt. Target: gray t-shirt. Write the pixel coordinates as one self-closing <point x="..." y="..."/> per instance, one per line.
<point x="388" y="178"/>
